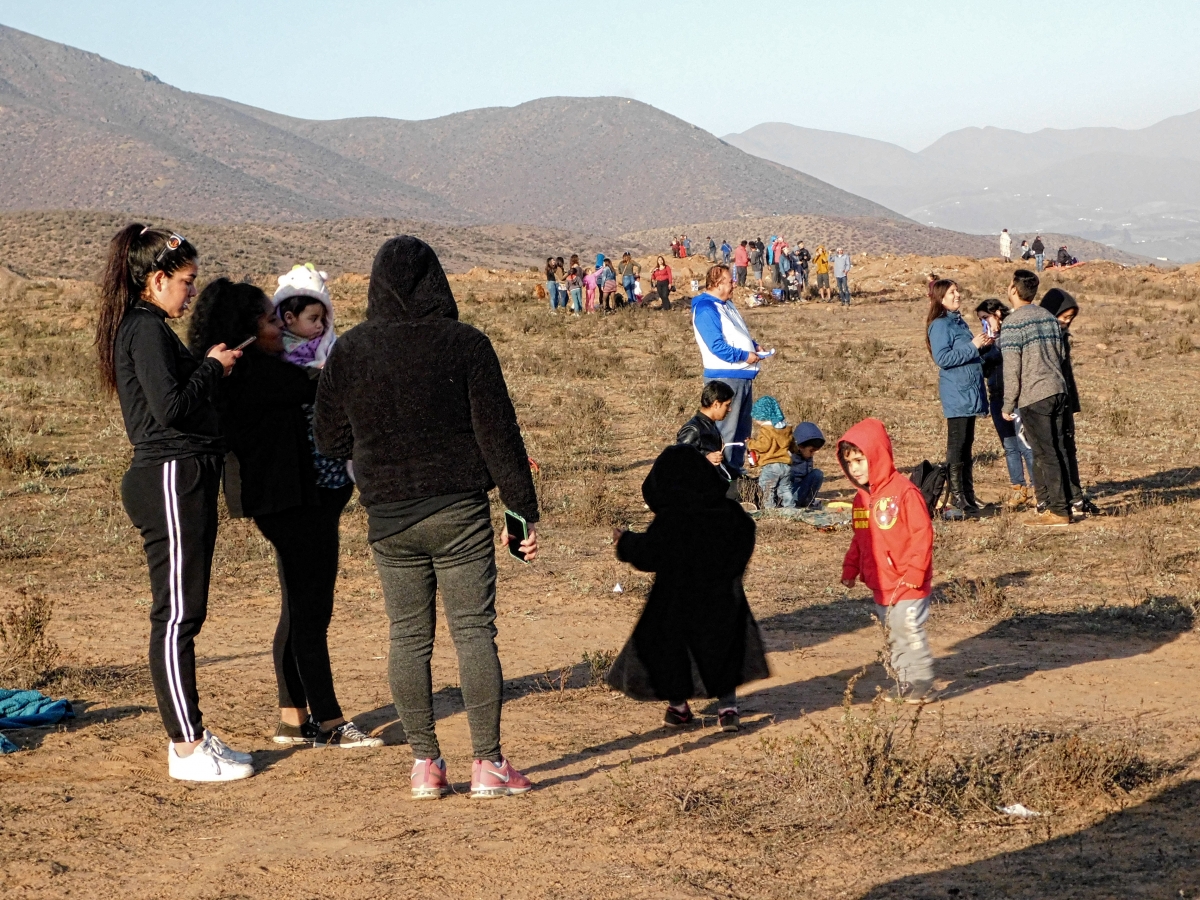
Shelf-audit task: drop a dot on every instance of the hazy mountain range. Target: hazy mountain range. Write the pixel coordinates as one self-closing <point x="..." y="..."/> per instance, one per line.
<point x="80" y="132"/>
<point x="1137" y="189"/>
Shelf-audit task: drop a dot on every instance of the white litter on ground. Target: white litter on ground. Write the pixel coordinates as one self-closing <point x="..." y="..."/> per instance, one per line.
<point x="1019" y="809"/>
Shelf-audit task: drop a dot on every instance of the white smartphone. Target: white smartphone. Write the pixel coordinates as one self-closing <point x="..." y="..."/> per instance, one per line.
<point x="246" y="343"/>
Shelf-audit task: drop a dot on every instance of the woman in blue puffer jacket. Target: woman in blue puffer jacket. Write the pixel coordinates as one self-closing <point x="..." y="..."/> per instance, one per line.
<point x="960" y="386"/>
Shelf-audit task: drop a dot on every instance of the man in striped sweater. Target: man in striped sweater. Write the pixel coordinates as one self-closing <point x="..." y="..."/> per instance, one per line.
<point x="1031" y="344"/>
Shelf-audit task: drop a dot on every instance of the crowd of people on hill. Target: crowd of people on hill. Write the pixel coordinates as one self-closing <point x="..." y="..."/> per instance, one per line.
<point x="266" y="403"/>
<point x="605" y="287"/>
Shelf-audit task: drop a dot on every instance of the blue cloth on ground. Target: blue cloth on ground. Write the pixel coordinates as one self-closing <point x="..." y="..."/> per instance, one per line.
<point x="7" y="746"/>
<point x="30" y="709"/>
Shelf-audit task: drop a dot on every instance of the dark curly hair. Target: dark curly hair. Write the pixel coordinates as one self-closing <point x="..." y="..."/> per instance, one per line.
<point x="225" y="313"/>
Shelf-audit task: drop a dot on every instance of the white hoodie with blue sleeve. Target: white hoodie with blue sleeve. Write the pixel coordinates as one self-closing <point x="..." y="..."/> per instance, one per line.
<point x="723" y="338"/>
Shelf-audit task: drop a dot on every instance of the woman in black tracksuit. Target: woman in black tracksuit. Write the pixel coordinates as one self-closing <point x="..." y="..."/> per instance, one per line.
<point x="170" y="491"/>
<point x="270" y="477"/>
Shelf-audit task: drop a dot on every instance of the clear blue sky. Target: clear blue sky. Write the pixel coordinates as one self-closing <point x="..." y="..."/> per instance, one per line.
<point x="891" y="69"/>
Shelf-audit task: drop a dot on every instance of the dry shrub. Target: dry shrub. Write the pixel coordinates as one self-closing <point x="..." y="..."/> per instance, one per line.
<point x="876" y="769"/>
<point x="585" y="361"/>
<point x="15" y="454"/>
<point x="1154" y="614"/>
<point x="977" y="599"/>
<point x="665" y="403"/>
<point x="1119" y="420"/>
<point x="27" y="652"/>
<point x="845" y="414"/>
<point x="594" y="504"/>
<point x="597" y="664"/>
<point x="668" y="365"/>
<point x="17" y="542"/>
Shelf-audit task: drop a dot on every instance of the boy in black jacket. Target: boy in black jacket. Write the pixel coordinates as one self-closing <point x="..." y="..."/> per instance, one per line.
<point x="700" y="431"/>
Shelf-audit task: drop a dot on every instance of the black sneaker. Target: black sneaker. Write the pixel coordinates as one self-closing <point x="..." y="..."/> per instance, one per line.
<point x="304" y="733"/>
<point x="676" y="719"/>
<point x="729" y="720"/>
<point x="348" y="736"/>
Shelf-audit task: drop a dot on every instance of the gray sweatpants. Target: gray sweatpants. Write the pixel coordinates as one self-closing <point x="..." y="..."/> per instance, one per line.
<point x="905" y="625"/>
<point x="453" y="550"/>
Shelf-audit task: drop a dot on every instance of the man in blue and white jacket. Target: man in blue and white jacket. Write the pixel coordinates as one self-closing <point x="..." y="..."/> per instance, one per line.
<point x="729" y="354"/>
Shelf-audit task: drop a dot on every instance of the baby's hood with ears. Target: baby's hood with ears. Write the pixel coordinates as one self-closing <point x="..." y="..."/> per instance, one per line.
<point x="308" y="281"/>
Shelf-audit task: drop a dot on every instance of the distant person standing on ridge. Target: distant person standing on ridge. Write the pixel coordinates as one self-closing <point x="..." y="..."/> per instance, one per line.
<point x="756" y="262"/>
<point x="741" y="261"/>
<point x="803" y="258"/>
<point x="663" y="282"/>
<point x="687" y="246"/>
<point x="821" y="267"/>
<point x="712" y="250"/>
<point x="1005" y="246"/>
<point x="1039" y="252"/>
<point x="729" y="354"/>
<point x="726" y="251"/>
<point x="841" y="271"/>
<point x="560" y="276"/>
<point x="551" y="284"/>
<point x="629" y="272"/>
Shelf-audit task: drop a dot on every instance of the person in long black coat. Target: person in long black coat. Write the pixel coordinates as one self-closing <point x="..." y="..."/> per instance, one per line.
<point x="696" y="637"/>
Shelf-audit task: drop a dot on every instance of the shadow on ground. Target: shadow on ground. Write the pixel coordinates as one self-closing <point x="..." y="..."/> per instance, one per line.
<point x="1149" y="850"/>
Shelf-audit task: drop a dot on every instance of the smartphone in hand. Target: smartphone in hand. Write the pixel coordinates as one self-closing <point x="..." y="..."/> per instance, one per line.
<point x="518" y="533"/>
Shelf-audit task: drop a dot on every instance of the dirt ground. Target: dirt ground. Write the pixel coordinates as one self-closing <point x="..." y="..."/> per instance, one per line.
<point x="1089" y="632"/>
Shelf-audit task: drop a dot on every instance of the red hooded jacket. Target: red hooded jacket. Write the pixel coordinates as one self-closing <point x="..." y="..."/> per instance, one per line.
<point x="893" y="535"/>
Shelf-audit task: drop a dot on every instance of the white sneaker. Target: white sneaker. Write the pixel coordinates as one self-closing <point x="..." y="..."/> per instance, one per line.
<point x="206" y="764"/>
<point x="223" y="750"/>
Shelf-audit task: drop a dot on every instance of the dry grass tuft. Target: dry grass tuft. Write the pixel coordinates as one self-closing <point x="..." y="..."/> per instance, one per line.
<point x="977" y="599"/>
<point x="27" y="652"/>
<point x="598" y="663"/>
<point x="878" y="769"/>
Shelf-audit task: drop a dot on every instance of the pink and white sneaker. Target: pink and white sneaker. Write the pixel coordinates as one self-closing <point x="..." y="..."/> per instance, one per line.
<point x="489" y="779"/>
<point x="429" y="779"/>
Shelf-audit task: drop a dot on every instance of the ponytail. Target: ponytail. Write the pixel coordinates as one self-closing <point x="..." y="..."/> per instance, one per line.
<point x="135" y="252"/>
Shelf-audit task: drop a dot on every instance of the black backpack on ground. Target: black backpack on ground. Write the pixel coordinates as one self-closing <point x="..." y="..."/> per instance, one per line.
<point x="930" y="479"/>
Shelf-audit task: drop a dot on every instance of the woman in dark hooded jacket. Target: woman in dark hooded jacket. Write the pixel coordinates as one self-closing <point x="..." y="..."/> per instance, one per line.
<point x="417" y="399"/>
<point x="696" y="637"/>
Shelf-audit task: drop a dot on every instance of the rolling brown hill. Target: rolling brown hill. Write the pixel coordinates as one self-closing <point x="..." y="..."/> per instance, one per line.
<point x="585" y="163"/>
<point x="80" y="132"/>
<point x="72" y="244"/>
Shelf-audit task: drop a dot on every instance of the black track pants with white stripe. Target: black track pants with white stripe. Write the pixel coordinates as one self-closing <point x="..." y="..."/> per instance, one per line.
<point x="174" y="506"/>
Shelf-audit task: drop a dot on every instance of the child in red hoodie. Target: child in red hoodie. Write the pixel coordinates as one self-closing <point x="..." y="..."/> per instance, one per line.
<point x="892" y="552"/>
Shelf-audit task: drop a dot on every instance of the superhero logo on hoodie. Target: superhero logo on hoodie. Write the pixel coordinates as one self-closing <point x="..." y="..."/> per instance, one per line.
<point x="887" y="510"/>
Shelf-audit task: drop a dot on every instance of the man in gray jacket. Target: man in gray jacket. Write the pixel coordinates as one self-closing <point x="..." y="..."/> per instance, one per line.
<point x="1031" y="345"/>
